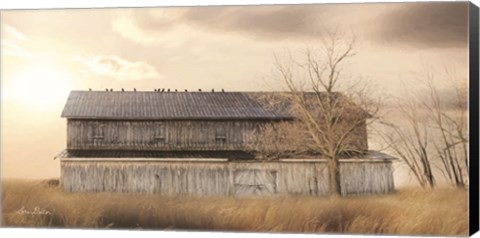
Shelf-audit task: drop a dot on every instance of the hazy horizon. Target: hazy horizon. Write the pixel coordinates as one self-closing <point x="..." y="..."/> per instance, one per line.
<point x="47" y="53"/>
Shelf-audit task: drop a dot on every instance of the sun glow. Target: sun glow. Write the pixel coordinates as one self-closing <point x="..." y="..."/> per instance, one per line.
<point x="39" y="86"/>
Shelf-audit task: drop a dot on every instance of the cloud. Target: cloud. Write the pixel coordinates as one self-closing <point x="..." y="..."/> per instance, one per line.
<point x="12" y="41"/>
<point x="173" y="35"/>
<point x="425" y="25"/>
<point x="118" y="68"/>
<point x="13" y="33"/>
<point x="436" y="25"/>
<point x="268" y="22"/>
<point x="10" y="48"/>
<point x="127" y="28"/>
<point x="265" y="22"/>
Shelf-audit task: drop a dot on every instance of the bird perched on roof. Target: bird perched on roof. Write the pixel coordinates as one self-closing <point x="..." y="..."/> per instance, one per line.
<point x="123" y="90"/>
<point x="89" y="89"/>
<point x="106" y="89"/>
<point x="134" y="89"/>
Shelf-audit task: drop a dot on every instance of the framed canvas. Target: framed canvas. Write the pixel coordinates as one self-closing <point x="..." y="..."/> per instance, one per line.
<point x="284" y="118"/>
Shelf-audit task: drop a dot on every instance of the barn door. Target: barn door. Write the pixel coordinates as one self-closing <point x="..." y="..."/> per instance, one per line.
<point x="250" y="182"/>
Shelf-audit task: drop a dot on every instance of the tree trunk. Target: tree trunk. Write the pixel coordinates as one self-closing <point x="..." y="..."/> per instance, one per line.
<point x="334" y="175"/>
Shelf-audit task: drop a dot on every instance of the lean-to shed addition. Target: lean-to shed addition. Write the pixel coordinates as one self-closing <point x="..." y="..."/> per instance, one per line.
<point x="194" y="143"/>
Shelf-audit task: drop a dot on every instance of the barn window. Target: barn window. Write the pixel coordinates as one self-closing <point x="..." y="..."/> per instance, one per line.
<point x="159" y="132"/>
<point x="98" y="130"/>
<point x="220" y="135"/>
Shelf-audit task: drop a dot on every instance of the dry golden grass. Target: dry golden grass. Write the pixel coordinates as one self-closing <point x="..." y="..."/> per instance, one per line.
<point x="440" y="212"/>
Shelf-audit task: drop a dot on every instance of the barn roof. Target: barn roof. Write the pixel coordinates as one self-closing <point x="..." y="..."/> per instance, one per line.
<point x="130" y="105"/>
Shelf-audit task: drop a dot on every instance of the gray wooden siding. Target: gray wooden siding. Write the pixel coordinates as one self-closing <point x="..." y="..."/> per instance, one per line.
<point x="222" y="178"/>
<point x="182" y="135"/>
<point x="366" y="178"/>
<point x="158" y="135"/>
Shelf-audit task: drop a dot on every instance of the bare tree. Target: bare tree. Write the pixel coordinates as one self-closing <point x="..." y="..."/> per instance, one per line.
<point x="282" y="139"/>
<point x="436" y="132"/>
<point x="278" y="140"/>
<point x="410" y="142"/>
<point x="450" y="121"/>
<point x="329" y="124"/>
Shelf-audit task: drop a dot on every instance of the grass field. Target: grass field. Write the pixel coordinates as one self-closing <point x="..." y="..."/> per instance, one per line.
<point x="410" y="211"/>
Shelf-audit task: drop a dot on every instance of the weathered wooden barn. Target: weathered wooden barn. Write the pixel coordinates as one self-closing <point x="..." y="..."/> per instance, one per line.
<point x="194" y="143"/>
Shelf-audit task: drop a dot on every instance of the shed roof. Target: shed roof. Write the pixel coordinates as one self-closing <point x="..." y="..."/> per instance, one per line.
<point x="130" y="105"/>
<point x="232" y="155"/>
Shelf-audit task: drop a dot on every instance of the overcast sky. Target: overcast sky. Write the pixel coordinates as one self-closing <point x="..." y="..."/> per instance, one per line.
<point x="47" y="53"/>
